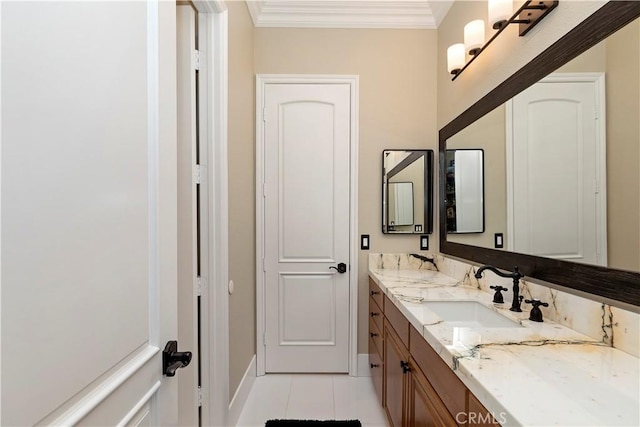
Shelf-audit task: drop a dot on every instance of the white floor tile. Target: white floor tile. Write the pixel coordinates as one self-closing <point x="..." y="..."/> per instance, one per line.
<point x="267" y="400"/>
<point x="355" y="398"/>
<point x="311" y="398"/>
<point x="318" y="397"/>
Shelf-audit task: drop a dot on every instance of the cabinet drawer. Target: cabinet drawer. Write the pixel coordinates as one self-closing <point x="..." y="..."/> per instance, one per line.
<point x="376" y="365"/>
<point x="375" y="336"/>
<point x="397" y="320"/>
<point x="451" y="390"/>
<point x="375" y="313"/>
<point x="375" y="292"/>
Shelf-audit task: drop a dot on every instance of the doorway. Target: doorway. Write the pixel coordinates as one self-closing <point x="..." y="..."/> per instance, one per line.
<point x="306" y="170"/>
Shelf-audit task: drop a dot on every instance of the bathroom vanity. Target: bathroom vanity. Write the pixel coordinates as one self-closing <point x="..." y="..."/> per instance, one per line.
<point x="415" y="386"/>
<point x="435" y="365"/>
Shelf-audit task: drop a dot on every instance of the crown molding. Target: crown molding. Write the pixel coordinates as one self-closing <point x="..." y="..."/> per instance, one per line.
<point x="420" y="14"/>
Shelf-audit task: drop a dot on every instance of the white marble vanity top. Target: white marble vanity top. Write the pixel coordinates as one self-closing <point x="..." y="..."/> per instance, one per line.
<point x="542" y="374"/>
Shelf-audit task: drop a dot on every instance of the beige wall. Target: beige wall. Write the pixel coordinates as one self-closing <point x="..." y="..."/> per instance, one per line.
<point x="623" y="147"/>
<point x="397" y="70"/>
<point x="242" y="248"/>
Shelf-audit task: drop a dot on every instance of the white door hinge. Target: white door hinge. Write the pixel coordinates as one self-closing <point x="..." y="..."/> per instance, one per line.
<point x="264" y="339"/>
<point x="197" y="174"/>
<point x="264" y="190"/>
<point x="264" y="114"/>
<point x="199" y="396"/>
<point x="199" y="286"/>
<point x="264" y="266"/>
<point x="196" y="59"/>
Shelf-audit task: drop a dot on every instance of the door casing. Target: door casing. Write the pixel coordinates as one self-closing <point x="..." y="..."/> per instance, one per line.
<point x="261" y="81"/>
<point x="213" y="84"/>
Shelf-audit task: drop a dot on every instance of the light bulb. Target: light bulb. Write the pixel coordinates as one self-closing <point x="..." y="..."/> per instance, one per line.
<point x="474" y="36"/>
<point x="455" y="58"/>
<point x="500" y="12"/>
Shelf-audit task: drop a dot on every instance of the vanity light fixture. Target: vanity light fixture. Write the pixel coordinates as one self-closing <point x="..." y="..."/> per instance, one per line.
<point x="474" y="36"/>
<point x="527" y="16"/>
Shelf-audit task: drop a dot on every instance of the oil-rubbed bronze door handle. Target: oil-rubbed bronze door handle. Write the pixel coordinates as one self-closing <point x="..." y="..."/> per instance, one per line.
<point x="342" y="268"/>
<point x="172" y="359"/>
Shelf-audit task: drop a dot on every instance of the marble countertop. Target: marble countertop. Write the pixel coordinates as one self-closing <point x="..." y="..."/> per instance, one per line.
<point x="542" y="374"/>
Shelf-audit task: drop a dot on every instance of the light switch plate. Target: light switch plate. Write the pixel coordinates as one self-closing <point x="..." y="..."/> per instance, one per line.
<point x="424" y="242"/>
<point x="364" y="241"/>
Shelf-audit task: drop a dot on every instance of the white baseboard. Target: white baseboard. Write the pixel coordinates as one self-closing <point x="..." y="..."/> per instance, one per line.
<point x="363" y="365"/>
<point x="242" y="393"/>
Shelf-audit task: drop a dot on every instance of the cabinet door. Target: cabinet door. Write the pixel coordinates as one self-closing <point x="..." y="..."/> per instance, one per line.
<point x="395" y="354"/>
<point x="479" y="416"/>
<point x="425" y="409"/>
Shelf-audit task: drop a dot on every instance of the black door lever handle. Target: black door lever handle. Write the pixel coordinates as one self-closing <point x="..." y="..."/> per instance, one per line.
<point x="342" y="268"/>
<point x="172" y="359"/>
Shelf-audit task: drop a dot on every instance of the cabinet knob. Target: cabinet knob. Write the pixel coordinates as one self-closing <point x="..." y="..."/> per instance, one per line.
<point x="374" y="365"/>
<point x="405" y="367"/>
<point x="374" y="314"/>
<point x="373" y="334"/>
<point x="374" y="293"/>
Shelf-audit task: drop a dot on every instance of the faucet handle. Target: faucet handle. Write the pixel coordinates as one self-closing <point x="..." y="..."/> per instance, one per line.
<point x="536" y="313"/>
<point x="497" y="297"/>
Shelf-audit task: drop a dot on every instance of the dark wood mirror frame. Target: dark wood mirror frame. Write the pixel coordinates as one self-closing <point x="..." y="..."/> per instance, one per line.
<point x="616" y="287"/>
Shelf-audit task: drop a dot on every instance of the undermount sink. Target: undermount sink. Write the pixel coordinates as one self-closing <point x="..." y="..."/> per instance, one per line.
<point x="469" y="314"/>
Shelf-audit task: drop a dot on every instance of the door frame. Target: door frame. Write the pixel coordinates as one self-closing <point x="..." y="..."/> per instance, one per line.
<point x="213" y="86"/>
<point x="601" y="157"/>
<point x="261" y="81"/>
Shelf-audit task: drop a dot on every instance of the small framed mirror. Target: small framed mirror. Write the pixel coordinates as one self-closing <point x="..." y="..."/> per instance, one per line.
<point x="407" y="191"/>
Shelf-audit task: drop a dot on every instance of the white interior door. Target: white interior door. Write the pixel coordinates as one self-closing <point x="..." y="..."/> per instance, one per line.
<point x="88" y="212"/>
<point x="307" y="141"/>
<point x="557" y="150"/>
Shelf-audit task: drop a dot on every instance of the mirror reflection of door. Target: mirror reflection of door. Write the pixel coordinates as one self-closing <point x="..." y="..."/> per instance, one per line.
<point x="400" y="203"/>
<point x="556" y="208"/>
<point x="464" y="189"/>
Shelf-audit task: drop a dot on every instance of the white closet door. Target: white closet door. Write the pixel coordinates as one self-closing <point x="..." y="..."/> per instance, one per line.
<point x="88" y="212"/>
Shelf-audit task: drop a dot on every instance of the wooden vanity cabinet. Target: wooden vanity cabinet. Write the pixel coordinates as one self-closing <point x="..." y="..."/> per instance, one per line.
<point x="376" y="339"/>
<point x="395" y="381"/>
<point x="424" y="407"/>
<point x="478" y="415"/>
<point x="415" y="386"/>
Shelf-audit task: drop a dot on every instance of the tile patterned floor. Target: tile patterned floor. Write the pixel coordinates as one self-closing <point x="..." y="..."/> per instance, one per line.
<point x="322" y="397"/>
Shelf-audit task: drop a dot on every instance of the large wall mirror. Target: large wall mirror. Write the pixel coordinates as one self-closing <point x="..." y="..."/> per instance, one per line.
<point x="562" y="136"/>
<point x="407" y="191"/>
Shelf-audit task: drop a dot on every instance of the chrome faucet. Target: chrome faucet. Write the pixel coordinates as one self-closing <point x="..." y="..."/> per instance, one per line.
<point x="516" y="276"/>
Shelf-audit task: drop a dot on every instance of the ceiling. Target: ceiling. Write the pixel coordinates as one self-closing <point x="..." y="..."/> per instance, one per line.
<point x="425" y="14"/>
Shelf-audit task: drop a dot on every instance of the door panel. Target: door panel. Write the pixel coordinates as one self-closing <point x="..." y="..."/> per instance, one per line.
<point x="307" y="142"/>
<point x="86" y="124"/>
<point x="307" y="199"/>
<point x="307" y="324"/>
